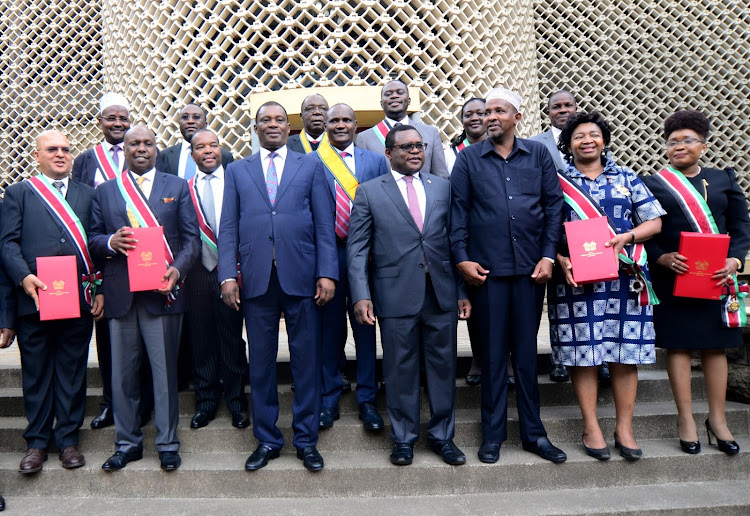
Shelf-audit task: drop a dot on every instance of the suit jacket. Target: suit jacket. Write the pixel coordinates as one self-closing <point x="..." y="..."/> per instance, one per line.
<point x="168" y="160"/>
<point x="381" y="226"/>
<point x="298" y="227"/>
<point x="367" y="165"/>
<point x="7" y="296"/>
<point x="108" y="213"/>
<point x="28" y="230"/>
<point x="434" y="155"/>
<point x="295" y="144"/>
<point x="548" y="139"/>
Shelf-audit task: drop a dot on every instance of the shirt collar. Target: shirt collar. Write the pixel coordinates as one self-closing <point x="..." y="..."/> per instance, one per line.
<point x="518" y="144"/>
<point x="403" y="121"/>
<point x="108" y="146"/>
<point x="281" y="151"/>
<point x="398" y="175"/>
<point x="349" y="150"/>
<point x="149" y="176"/>
<point x="219" y="172"/>
<point x="556" y="133"/>
<point x="185" y="146"/>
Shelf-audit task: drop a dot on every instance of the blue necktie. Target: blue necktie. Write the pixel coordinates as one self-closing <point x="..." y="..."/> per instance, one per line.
<point x="272" y="179"/>
<point x="189" y="167"/>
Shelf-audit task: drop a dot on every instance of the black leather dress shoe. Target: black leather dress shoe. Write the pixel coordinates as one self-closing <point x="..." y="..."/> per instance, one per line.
<point x="370" y="417"/>
<point x="545" y="450"/>
<point x="260" y="457"/>
<point x="559" y="374"/>
<point x="473" y="379"/>
<point x="120" y="459"/>
<point x="402" y="454"/>
<point x="328" y="416"/>
<point x="346" y="385"/>
<point x="2" y="504"/>
<point x="201" y="419"/>
<point x="449" y="452"/>
<point x="511" y="380"/>
<point x="103" y="420"/>
<point x="489" y="452"/>
<point x="170" y="460"/>
<point x="240" y="420"/>
<point x="310" y="458"/>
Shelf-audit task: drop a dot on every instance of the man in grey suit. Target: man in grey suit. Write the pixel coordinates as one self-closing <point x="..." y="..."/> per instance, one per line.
<point x="313" y="114"/>
<point x="400" y="220"/>
<point x="394" y="99"/>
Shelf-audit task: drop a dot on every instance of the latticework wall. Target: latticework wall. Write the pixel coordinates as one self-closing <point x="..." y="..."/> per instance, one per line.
<point x="635" y="60"/>
<point x="638" y="61"/>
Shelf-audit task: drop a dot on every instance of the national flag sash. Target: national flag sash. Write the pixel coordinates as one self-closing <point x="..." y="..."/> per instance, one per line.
<point x="382" y="130"/>
<point x="633" y="257"/>
<point x="107" y="165"/>
<point x="61" y="210"/>
<point x="335" y="164"/>
<point x="733" y="313"/>
<point x="137" y="204"/>
<point x="694" y="207"/>
<point x="461" y="146"/>
<point x="306" y="143"/>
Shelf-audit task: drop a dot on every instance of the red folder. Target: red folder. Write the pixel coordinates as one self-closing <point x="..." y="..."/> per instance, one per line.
<point x="591" y="260"/>
<point x="60" y="300"/>
<point x="705" y="255"/>
<point x="147" y="262"/>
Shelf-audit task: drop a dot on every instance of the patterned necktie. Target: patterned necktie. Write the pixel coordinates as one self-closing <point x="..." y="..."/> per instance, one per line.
<point x="131" y="216"/>
<point x="189" y="167"/>
<point x="272" y="179"/>
<point x="343" y="208"/>
<point x="59" y="185"/>
<point x="411" y="196"/>
<point x="115" y="151"/>
<point x="209" y="255"/>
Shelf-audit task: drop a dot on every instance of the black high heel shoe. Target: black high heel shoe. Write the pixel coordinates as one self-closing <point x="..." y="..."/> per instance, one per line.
<point x="691" y="447"/>
<point x="728" y="447"/>
<point x="628" y="453"/>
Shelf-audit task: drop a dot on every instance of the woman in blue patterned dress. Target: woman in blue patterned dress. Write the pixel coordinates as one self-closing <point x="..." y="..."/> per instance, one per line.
<point x="603" y="321"/>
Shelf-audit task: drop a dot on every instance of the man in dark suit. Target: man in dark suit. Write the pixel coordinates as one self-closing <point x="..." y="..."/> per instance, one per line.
<point x="506" y="222"/>
<point x="146" y="316"/>
<point x="346" y="167"/>
<point x="177" y="159"/>
<point x="401" y="220"/>
<point x="313" y="114"/>
<point x="53" y="353"/>
<point x="394" y="99"/>
<point x="277" y="211"/>
<point x="213" y="329"/>
<point x="7" y="318"/>
<point x="93" y="167"/>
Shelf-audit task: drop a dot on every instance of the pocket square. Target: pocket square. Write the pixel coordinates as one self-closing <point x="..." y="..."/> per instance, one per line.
<point x="167" y="199"/>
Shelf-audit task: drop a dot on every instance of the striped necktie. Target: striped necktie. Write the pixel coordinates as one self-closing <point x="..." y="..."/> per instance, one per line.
<point x="272" y="179"/>
<point x="343" y="208"/>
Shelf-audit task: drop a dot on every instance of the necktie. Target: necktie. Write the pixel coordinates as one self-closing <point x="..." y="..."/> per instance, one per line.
<point x="189" y="167"/>
<point x="115" y="157"/>
<point x="272" y="180"/>
<point x="411" y="196"/>
<point x="209" y="255"/>
<point x="59" y="185"/>
<point x="131" y="216"/>
<point x="343" y="209"/>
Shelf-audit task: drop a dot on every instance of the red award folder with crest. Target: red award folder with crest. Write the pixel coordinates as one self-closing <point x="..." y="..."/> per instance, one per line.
<point x="706" y="254"/>
<point x="147" y="262"/>
<point x="591" y="260"/>
<point x="60" y="300"/>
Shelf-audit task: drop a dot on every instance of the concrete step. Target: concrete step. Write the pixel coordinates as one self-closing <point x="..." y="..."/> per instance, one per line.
<point x="653" y="386"/>
<point x="725" y="498"/>
<point x="653" y="420"/>
<point x="369" y="474"/>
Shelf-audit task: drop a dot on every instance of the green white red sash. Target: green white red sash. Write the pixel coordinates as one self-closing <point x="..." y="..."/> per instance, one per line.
<point x="633" y="257"/>
<point x="382" y="130"/>
<point x="61" y="210"/>
<point x="461" y="146"/>
<point x="733" y="314"/>
<point x="306" y="142"/>
<point x="136" y="202"/>
<point x="106" y="164"/>
<point x="694" y="207"/>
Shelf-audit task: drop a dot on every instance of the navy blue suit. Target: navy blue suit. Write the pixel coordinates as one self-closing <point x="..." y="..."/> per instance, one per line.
<point x="298" y="230"/>
<point x="367" y="165"/>
<point x="168" y="160"/>
<point x="53" y="353"/>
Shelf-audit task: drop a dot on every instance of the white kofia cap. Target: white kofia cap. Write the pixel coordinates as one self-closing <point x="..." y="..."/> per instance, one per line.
<point x="506" y="95"/>
<point x="113" y="99"/>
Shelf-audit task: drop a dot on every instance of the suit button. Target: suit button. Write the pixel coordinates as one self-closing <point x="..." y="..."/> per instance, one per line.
<point x="62" y="240"/>
<point x="507" y="179"/>
<point x="510" y="197"/>
<point x="421" y="266"/>
<point x="512" y="217"/>
<point x="270" y="238"/>
<point x="514" y="239"/>
<point x="273" y="213"/>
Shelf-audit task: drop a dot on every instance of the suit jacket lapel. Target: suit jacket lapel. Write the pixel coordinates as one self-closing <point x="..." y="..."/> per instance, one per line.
<point x="429" y="195"/>
<point x="254" y="167"/>
<point x="156" y="191"/>
<point x="291" y="166"/>
<point x="72" y="196"/>
<point x="393" y="191"/>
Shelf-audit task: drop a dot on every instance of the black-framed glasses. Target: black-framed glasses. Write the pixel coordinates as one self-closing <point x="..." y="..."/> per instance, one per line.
<point x="408" y="147"/>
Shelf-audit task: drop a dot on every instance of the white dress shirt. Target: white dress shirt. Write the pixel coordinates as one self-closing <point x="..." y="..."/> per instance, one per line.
<point x="418" y="188"/>
<point x="64" y="189"/>
<point x="217" y="187"/>
<point x="556" y="133"/>
<point x="392" y="122"/>
<point x="279" y="161"/>
<point x="148" y="184"/>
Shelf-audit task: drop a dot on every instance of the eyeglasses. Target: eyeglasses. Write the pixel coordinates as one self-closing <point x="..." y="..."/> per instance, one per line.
<point x="113" y="119"/>
<point x="191" y="117"/>
<point x="55" y="150"/>
<point x="686" y="141"/>
<point x="315" y="109"/>
<point x="408" y="147"/>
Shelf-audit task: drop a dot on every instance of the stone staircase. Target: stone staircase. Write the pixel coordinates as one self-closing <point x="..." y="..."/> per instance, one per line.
<point x="359" y="479"/>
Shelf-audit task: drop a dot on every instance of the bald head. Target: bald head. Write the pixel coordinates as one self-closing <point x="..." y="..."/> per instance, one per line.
<point x="53" y="154"/>
<point x="140" y="149"/>
<point x="341" y="126"/>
